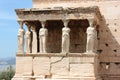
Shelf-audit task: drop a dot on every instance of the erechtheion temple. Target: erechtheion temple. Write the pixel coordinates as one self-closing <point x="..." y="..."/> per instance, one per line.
<point x="69" y="40"/>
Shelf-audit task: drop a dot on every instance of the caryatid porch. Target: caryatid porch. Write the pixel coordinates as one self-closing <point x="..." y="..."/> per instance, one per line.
<point x="43" y="61"/>
<point x="78" y="20"/>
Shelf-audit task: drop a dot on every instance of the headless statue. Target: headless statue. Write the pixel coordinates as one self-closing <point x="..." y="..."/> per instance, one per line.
<point x="65" y="40"/>
<point x="43" y="38"/>
<point x="91" y="38"/>
<point x="21" y="33"/>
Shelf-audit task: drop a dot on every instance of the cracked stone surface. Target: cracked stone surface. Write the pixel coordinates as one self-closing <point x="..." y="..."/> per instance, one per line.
<point x="41" y="66"/>
<point x="60" y="66"/>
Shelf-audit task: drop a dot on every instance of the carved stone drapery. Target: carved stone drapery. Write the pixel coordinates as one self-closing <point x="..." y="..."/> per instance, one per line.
<point x="91" y="37"/>
<point x="65" y="37"/>
<point x="21" y="33"/>
<point x="34" y="40"/>
<point x="43" y="37"/>
<point x="28" y="39"/>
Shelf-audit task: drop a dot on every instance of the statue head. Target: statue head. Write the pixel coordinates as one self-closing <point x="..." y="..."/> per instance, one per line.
<point x="21" y="24"/>
<point x="43" y="23"/>
<point x="28" y="26"/>
<point x="92" y="23"/>
<point x="65" y="23"/>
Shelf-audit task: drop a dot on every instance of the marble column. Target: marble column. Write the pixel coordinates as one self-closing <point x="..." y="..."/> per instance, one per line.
<point x="43" y="33"/>
<point x="91" y="36"/>
<point x="21" y="33"/>
<point x="28" y="39"/>
<point x="34" y="40"/>
<point x="65" y="37"/>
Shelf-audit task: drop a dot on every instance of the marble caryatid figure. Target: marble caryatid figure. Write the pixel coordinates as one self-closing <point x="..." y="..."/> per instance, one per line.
<point x="21" y="33"/>
<point x="28" y="40"/>
<point x="91" y="37"/>
<point x="43" y="37"/>
<point x="65" y="38"/>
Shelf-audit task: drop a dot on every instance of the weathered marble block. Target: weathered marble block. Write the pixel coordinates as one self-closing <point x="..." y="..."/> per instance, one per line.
<point x="82" y="59"/>
<point x="114" y="69"/>
<point x="19" y="66"/>
<point x="28" y="63"/>
<point x="59" y="65"/>
<point x="23" y="66"/>
<point x="82" y="70"/>
<point x="41" y="66"/>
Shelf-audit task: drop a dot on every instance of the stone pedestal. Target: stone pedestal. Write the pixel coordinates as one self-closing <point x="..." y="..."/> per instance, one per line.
<point x="23" y="67"/>
<point x="57" y="66"/>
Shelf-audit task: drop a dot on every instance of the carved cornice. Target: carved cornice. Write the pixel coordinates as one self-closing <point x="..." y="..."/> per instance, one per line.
<point x="59" y="12"/>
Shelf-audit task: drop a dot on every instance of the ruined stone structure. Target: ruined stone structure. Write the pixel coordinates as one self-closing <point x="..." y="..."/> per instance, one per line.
<point x="69" y="40"/>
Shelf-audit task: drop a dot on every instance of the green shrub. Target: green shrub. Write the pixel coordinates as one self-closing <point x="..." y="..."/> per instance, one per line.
<point x="7" y="74"/>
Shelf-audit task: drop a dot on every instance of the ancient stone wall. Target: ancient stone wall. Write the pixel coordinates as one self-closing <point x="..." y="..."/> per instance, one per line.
<point x="75" y="66"/>
<point x="109" y="39"/>
<point x="108" y="43"/>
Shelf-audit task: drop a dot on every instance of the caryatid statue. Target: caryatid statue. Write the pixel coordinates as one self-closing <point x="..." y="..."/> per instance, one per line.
<point x="65" y="38"/>
<point x="21" y="33"/>
<point x="43" y="37"/>
<point x="28" y="40"/>
<point x="91" y="37"/>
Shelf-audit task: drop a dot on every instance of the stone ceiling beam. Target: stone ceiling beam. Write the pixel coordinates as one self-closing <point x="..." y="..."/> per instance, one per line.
<point x="58" y="14"/>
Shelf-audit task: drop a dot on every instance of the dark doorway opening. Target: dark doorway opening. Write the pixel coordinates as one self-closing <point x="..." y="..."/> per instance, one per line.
<point x="78" y="36"/>
<point x="54" y="36"/>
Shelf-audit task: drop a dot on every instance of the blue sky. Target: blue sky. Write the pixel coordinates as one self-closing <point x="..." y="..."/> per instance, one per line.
<point x="9" y="25"/>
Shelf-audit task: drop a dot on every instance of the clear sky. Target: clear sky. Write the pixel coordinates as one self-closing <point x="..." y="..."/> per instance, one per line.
<point x="9" y="25"/>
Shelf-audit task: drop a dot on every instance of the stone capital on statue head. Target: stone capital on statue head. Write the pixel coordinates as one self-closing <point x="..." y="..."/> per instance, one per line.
<point x="21" y="24"/>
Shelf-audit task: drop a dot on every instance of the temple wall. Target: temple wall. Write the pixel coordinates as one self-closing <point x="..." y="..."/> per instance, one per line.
<point x="109" y="40"/>
<point x="108" y="44"/>
<point x="73" y="66"/>
<point x="109" y="27"/>
<point x="109" y="30"/>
